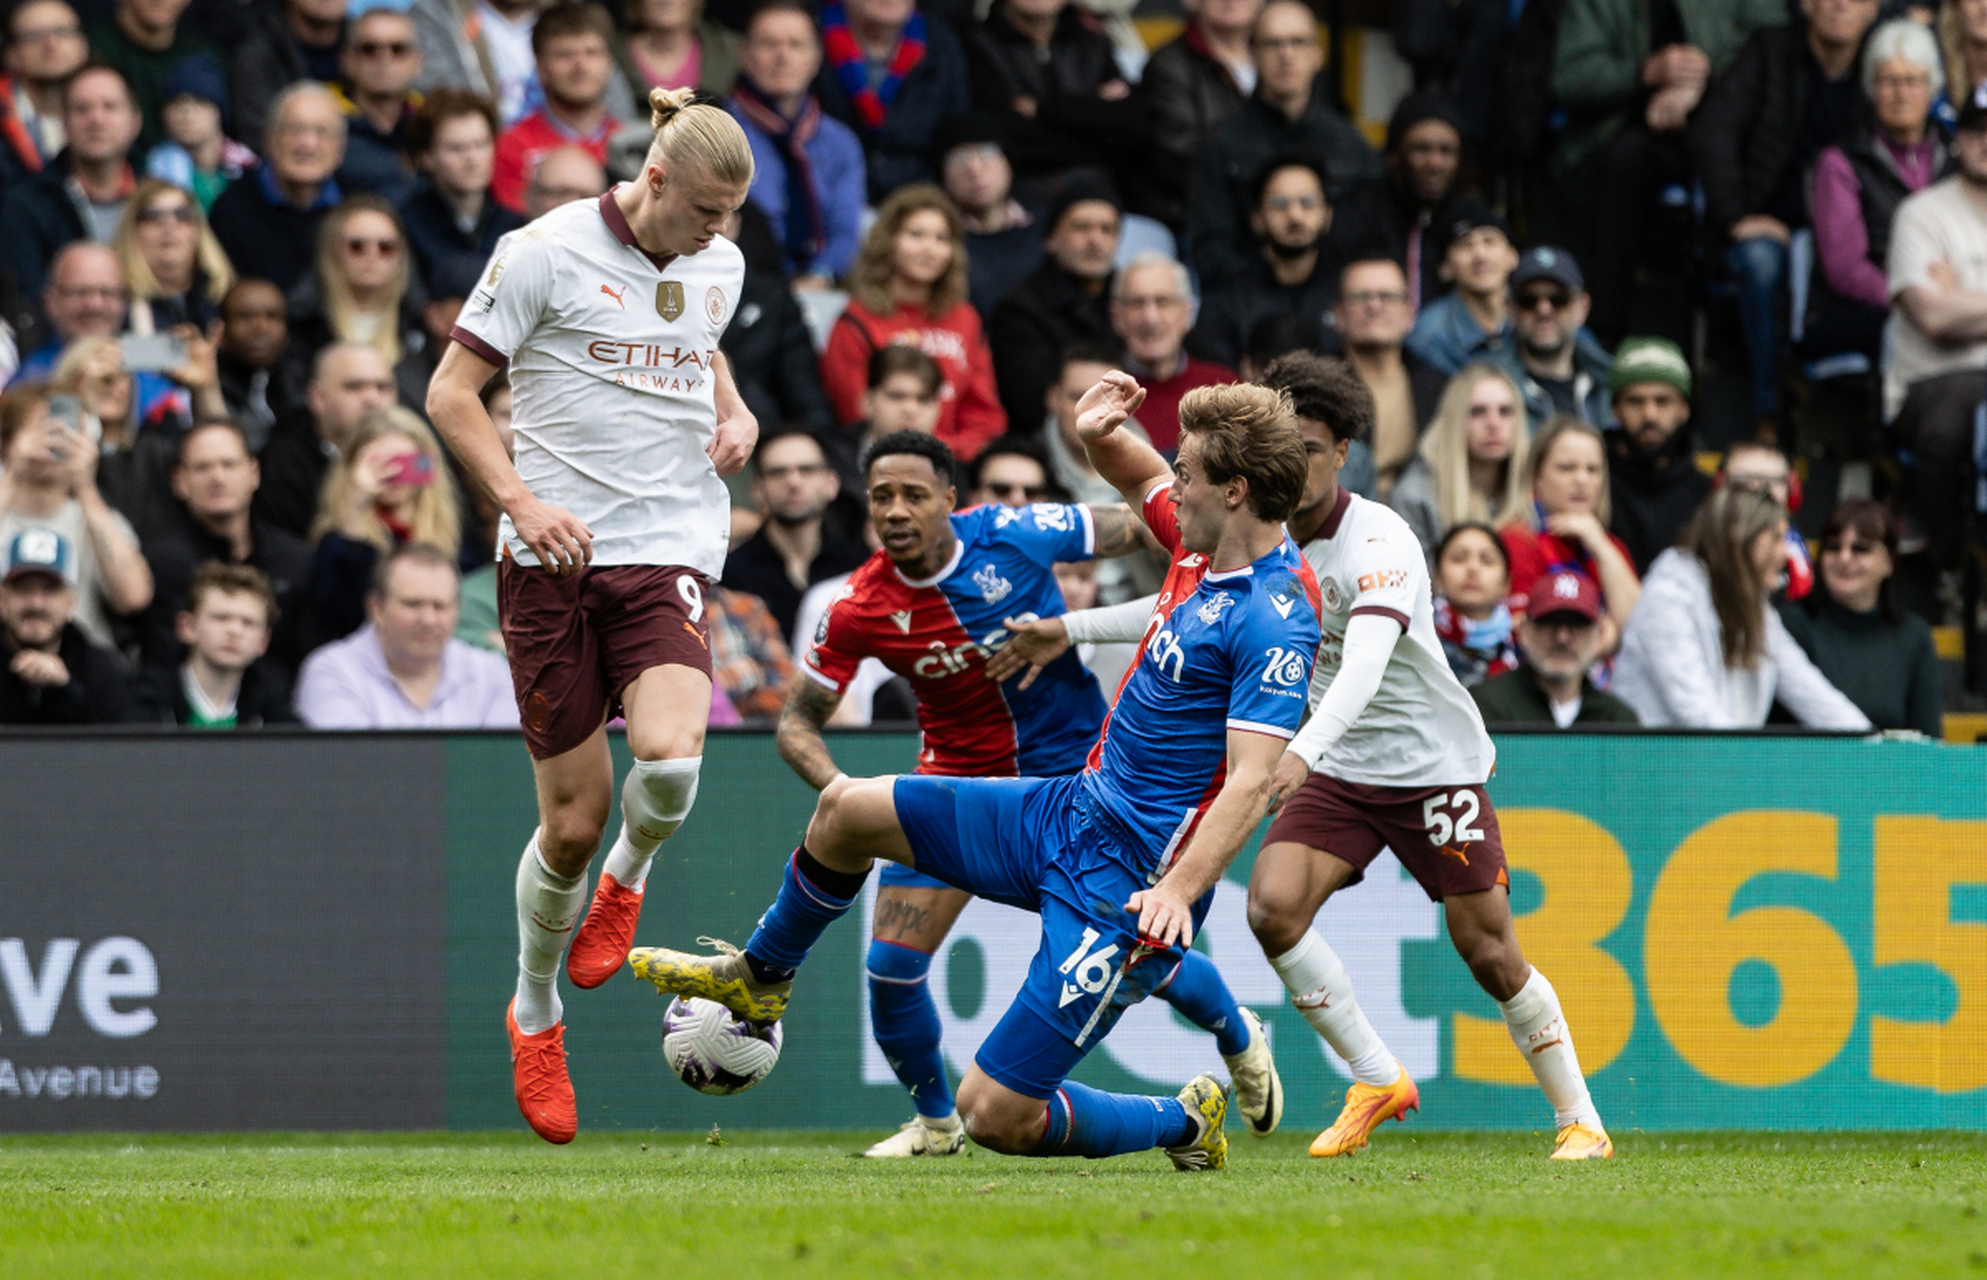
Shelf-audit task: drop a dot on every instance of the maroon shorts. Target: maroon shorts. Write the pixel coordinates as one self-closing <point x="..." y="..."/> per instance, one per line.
<point x="576" y="643"/>
<point x="1446" y="837"/>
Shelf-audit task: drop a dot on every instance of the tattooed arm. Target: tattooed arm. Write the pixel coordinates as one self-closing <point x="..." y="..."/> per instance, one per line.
<point x="1119" y="531"/>
<point x="809" y="705"/>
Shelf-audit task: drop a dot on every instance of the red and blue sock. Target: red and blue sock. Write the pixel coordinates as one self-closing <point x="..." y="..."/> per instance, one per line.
<point x="904" y="1021"/>
<point x="812" y="897"/>
<point x="1089" y="1122"/>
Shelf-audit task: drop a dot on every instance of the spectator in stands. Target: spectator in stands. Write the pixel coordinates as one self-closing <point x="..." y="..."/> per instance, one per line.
<point x="404" y="669"/>
<point x="392" y="487"/>
<point x="291" y="41"/>
<point x="1009" y="474"/>
<point x="55" y="673"/>
<point x="1962" y="37"/>
<point x="269" y="224"/>
<point x="144" y="40"/>
<point x="1003" y="244"/>
<point x="1565" y="526"/>
<point x="1559" y="366"/>
<point x="671" y="45"/>
<point x="1191" y="84"/>
<point x="85" y="296"/>
<point x="903" y="390"/>
<point x="255" y="333"/>
<point x="223" y="682"/>
<point x="1063" y="301"/>
<point x="894" y="73"/>
<point x="909" y="285"/>
<point x="134" y="420"/>
<point x="570" y="42"/>
<point x="1471" y="583"/>
<point x="1152" y="308"/>
<point x="1296" y="268"/>
<point x="564" y="175"/>
<point x="1473" y="320"/>
<point x="45" y="46"/>
<point x="1289" y="111"/>
<point x="214" y="479"/>
<point x="808" y="173"/>
<point x="1045" y="69"/>
<point x="379" y="65"/>
<point x="452" y="220"/>
<point x="348" y="381"/>
<point x="82" y="192"/>
<point x="750" y="660"/>
<point x="1859" y="184"/>
<point x="1471" y="463"/>
<point x="792" y="488"/>
<point x="177" y="270"/>
<point x="1082" y="364"/>
<point x="485" y="46"/>
<point x="1374" y="313"/>
<point x="1704" y="648"/>
<point x="361" y="291"/>
<point x="196" y="153"/>
<point x="1408" y="213"/>
<point x="1655" y="483"/>
<point x="1564" y="633"/>
<point x="50" y="482"/>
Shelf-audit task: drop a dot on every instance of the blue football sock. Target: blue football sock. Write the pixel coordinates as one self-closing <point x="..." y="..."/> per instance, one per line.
<point x="905" y="1023"/>
<point x="1198" y="991"/>
<point x="795" y="921"/>
<point x="1089" y="1122"/>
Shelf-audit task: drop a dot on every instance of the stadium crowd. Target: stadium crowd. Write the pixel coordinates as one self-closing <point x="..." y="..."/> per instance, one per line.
<point x="235" y="235"/>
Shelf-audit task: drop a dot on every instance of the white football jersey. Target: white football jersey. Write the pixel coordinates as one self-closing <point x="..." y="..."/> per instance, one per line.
<point x="611" y="353"/>
<point x="1422" y="729"/>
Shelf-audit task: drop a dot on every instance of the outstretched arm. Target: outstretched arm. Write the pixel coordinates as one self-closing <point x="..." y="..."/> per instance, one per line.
<point x="1036" y="644"/>
<point x="810" y="705"/>
<point x="1165" y="911"/>
<point x="1129" y="463"/>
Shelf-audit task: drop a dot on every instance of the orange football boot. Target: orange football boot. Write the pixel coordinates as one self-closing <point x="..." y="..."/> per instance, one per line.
<point x="1367" y="1106"/>
<point x="601" y="946"/>
<point x="1582" y="1142"/>
<point x="538" y="1075"/>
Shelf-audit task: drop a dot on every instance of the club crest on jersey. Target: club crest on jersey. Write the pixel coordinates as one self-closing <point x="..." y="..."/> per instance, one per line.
<point x="1211" y="609"/>
<point x="714" y="304"/>
<point x="1328" y="590"/>
<point x="993" y="587"/>
<point x="669" y="299"/>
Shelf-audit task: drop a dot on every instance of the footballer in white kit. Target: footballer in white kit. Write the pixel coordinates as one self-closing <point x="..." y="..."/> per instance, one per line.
<point x="616" y="519"/>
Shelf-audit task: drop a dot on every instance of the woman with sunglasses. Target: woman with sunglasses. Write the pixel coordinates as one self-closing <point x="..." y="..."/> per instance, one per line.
<point x="177" y="270"/>
<point x="361" y="291"/>
<point x="1854" y="630"/>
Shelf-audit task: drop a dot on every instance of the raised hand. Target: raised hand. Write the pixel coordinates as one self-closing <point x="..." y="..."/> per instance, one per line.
<point x="1115" y="397"/>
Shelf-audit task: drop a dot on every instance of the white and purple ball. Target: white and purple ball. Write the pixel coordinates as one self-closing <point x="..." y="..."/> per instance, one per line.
<point x="713" y="1051"/>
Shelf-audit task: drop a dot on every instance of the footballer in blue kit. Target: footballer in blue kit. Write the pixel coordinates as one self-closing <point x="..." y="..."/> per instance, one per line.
<point x="1121" y="861"/>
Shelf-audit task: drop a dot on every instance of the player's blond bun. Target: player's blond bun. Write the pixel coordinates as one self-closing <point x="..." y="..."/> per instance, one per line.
<point x="699" y="136"/>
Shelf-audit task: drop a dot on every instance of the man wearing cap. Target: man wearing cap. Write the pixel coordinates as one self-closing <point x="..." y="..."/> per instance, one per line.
<point x="53" y="674"/>
<point x="1297" y="264"/>
<point x="1065" y="300"/>
<point x="1560" y="367"/>
<point x="1560" y="638"/>
<point x="1473" y="320"/>
<point x="1003" y="244"/>
<point x="1407" y="213"/>
<point x="893" y="73"/>
<point x="197" y="153"/>
<point x="1654" y="484"/>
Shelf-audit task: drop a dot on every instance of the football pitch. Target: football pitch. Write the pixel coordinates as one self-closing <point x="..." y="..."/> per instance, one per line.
<point x="756" y="1203"/>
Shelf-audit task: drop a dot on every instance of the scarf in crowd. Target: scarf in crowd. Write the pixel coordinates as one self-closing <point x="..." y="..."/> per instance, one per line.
<point x="1476" y="650"/>
<point x="851" y="67"/>
<point x="805" y="233"/>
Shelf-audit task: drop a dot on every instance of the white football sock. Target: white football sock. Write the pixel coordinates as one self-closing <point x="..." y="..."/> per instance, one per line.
<point x="548" y="905"/>
<point x="1538" y="1028"/>
<point x="655" y="799"/>
<point x="1322" y="991"/>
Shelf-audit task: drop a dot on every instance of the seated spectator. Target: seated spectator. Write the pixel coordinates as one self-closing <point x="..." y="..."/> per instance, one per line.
<point x="570" y="42"/>
<point x="1858" y="184"/>
<point x="1063" y="301"/>
<point x="1655" y="484"/>
<point x="671" y="45"/>
<point x="1471" y="587"/>
<point x="144" y="40"/>
<point x="1010" y="473"/>
<point x="55" y="673"/>
<point x="177" y="270"/>
<point x="391" y="487"/>
<point x="1470" y="464"/>
<point x="1152" y="308"/>
<point x="485" y="47"/>
<point x="792" y="488"/>
<point x="563" y="175"/>
<point x="767" y="342"/>
<point x="1704" y="648"/>
<point x="1289" y="111"/>
<point x="214" y="479"/>
<point x="1408" y="213"/>
<point x="85" y="297"/>
<point x="44" y="47"/>
<point x="377" y="69"/>
<point x="1190" y="84"/>
<point x="1565" y="526"/>
<point x="135" y="420"/>
<point x="269" y="223"/>
<point x="1879" y="656"/>
<point x="223" y="683"/>
<point x="348" y="381"/>
<point x="1559" y="366"/>
<point x="894" y="73"/>
<point x="1083" y="363"/>
<point x="808" y="172"/>
<point x="1003" y="244"/>
<point x="1564" y="633"/>
<point x="750" y="660"/>
<point x="1373" y="315"/>
<point x="909" y="285"/>
<point x="903" y="395"/>
<point x="1296" y="270"/>
<point x="196" y="153"/>
<point x="291" y="41"/>
<point x="1049" y="74"/>
<point x="82" y="192"/>
<point x="1473" y="320"/>
<point x="1789" y="92"/>
<point x="404" y="669"/>
<point x="255" y="333"/>
<point x="452" y="220"/>
<point x="50" y="482"/>
<point x="362" y="290"/>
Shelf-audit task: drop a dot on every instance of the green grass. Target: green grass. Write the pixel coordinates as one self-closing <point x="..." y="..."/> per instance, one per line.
<point x="1452" y="1206"/>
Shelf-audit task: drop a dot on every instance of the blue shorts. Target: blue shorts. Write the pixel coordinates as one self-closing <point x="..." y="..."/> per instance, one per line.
<point x="1031" y="843"/>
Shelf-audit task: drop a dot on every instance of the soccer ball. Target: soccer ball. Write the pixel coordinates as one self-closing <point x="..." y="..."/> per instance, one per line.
<point x="714" y="1052"/>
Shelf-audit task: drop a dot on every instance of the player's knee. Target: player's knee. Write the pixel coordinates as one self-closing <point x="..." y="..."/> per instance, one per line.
<point x="992" y="1128"/>
<point x="1495" y="962"/>
<point x="675" y="739"/>
<point x="1277" y="925"/>
<point x="657" y="795"/>
<point x="567" y="839"/>
<point x="830" y="815"/>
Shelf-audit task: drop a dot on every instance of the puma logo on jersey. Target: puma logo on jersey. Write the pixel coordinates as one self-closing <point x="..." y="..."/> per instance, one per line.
<point x="702" y="643"/>
<point x="902" y="618"/>
<point x="618" y="296"/>
<point x="1461" y="855"/>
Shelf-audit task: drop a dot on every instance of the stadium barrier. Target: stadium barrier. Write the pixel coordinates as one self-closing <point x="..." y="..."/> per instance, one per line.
<point x="317" y="932"/>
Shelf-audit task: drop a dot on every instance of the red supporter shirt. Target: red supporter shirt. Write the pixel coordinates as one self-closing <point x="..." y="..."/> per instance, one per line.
<point x="969" y="412"/>
<point x="1160" y="414"/>
<point x="525" y="143"/>
<point x="1534" y="555"/>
